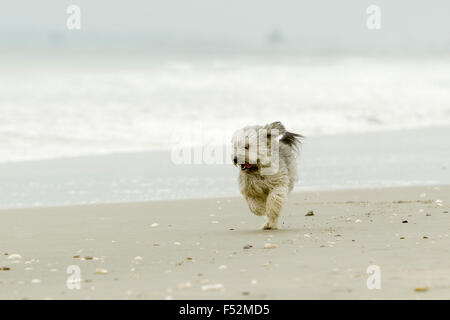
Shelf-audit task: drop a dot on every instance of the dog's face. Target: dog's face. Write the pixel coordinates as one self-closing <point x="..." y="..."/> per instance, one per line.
<point x="252" y="148"/>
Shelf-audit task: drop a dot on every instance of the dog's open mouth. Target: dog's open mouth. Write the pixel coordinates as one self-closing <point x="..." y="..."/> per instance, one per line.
<point x="249" y="166"/>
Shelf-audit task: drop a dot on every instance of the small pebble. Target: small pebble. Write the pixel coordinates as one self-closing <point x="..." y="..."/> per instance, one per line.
<point x="248" y="246"/>
<point x="405" y="221"/>
<point x="309" y="214"/>
<point x="155" y="225"/>
<point x="270" y="246"/>
<point x="421" y="289"/>
<point x="36" y="281"/>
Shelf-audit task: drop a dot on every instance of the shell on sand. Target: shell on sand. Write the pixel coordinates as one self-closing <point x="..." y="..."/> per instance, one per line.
<point x="212" y="287"/>
<point x="101" y="271"/>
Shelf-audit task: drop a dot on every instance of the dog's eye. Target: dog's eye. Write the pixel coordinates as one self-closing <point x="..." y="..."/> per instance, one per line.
<point x="247" y="146"/>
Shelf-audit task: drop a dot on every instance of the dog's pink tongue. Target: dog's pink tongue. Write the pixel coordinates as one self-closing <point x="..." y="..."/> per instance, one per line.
<point x="248" y="165"/>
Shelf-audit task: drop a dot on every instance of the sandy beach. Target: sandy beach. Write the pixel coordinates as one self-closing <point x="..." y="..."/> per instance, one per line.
<point x="213" y="248"/>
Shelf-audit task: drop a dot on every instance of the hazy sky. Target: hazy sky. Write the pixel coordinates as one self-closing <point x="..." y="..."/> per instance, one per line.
<point x="310" y="25"/>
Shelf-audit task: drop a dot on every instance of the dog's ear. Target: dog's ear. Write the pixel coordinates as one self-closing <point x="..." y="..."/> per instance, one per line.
<point x="271" y="127"/>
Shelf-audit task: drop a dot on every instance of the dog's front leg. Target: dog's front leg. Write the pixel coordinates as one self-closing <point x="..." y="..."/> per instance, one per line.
<point x="257" y="206"/>
<point x="274" y="204"/>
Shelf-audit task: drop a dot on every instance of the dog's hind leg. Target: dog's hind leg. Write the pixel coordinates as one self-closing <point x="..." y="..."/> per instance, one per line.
<point x="274" y="204"/>
<point x="257" y="206"/>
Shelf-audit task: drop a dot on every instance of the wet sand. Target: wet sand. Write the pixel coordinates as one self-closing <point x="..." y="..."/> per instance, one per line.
<point x="214" y="249"/>
<point x="399" y="158"/>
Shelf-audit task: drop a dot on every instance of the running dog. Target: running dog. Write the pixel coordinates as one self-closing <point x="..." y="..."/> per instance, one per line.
<point x="266" y="156"/>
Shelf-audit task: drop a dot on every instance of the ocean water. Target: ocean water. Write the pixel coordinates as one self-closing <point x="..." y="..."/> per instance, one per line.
<point x="56" y="109"/>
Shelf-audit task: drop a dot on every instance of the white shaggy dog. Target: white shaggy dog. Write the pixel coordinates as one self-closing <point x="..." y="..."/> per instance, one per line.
<point x="266" y="156"/>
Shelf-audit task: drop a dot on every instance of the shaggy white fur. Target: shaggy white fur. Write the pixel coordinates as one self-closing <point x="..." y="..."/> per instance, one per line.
<point x="266" y="156"/>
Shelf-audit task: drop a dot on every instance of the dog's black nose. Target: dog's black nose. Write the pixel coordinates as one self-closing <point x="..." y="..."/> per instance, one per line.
<point x="235" y="160"/>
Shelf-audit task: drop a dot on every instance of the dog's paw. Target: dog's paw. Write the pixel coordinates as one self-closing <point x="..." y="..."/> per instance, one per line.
<point x="269" y="225"/>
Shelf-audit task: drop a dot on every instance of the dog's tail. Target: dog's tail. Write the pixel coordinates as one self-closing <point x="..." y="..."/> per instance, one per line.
<point x="293" y="140"/>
